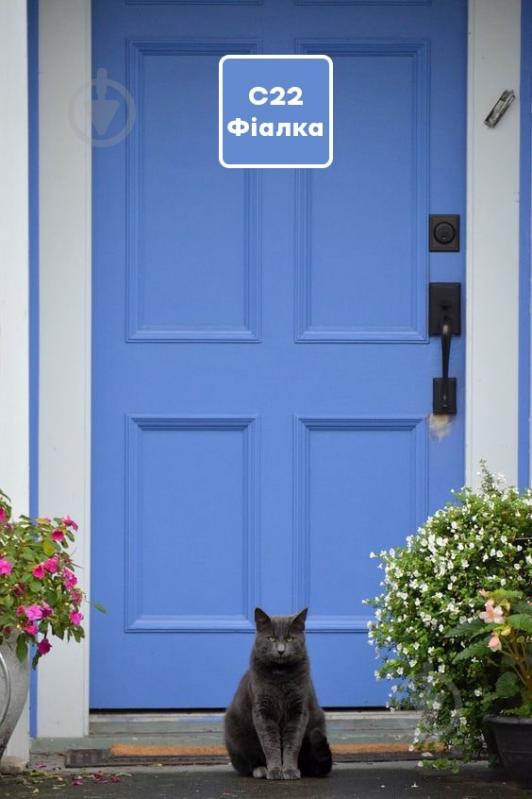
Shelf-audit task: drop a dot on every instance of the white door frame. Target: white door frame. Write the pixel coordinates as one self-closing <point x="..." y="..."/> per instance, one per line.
<point x="14" y="277"/>
<point x="65" y="291"/>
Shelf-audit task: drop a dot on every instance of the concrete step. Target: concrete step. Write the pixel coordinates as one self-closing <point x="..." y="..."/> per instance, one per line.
<point x="178" y="738"/>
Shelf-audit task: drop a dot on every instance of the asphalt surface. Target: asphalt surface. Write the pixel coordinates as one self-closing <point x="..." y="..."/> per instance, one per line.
<point x="394" y="780"/>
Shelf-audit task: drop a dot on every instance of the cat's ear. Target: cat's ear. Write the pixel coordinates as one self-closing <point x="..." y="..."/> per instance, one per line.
<point x="262" y="620"/>
<point x="298" y="622"/>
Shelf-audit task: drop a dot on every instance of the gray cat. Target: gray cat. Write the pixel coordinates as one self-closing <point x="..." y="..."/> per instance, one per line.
<point x="274" y="727"/>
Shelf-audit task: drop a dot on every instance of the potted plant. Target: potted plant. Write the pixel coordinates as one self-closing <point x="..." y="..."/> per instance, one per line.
<point x="480" y="541"/>
<point x="39" y="598"/>
<point x="501" y="639"/>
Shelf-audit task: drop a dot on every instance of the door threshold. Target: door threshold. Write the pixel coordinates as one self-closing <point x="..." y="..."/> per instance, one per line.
<point x="133" y="738"/>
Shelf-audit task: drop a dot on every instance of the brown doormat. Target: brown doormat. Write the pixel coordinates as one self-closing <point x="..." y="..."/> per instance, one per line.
<point x="133" y="754"/>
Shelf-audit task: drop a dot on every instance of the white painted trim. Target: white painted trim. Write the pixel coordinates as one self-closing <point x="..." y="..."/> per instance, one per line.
<point x="65" y="279"/>
<point x="14" y="278"/>
<point x="65" y="326"/>
<point x="492" y="331"/>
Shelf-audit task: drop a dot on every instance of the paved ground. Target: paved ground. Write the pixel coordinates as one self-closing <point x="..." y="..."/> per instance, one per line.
<point x="391" y="780"/>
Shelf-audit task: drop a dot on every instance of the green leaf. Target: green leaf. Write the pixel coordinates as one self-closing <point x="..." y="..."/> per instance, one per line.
<point x="479" y="649"/>
<point x="48" y="547"/>
<point x="471" y="629"/>
<point x="22" y="648"/>
<point x="100" y="607"/>
<point x="520" y="621"/>
<point x="507" y="685"/>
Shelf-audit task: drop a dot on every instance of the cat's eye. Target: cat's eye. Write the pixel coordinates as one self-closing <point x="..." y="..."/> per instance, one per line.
<point x="289" y="638"/>
<point x="271" y="638"/>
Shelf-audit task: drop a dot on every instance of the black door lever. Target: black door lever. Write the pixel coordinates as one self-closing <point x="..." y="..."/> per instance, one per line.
<point x="444" y="321"/>
<point x="444" y="387"/>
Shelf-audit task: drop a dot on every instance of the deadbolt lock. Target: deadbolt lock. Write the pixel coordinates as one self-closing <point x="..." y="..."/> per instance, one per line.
<point x="444" y="233"/>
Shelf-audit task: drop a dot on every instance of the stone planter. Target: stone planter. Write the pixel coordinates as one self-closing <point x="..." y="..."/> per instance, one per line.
<point x="513" y="735"/>
<point x="14" y="681"/>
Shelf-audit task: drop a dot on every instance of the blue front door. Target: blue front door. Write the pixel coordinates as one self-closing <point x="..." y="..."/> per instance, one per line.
<point x="262" y="384"/>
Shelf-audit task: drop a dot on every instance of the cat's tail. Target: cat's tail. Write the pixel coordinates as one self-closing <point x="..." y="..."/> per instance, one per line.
<point x="315" y="758"/>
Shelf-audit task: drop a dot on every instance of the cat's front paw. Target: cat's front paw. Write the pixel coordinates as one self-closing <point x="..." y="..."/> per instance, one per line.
<point x="259" y="773"/>
<point x="291" y="774"/>
<point x="274" y="774"/>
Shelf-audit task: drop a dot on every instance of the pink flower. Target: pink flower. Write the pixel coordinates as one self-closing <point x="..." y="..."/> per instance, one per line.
<point x="6" y="567"/>
<point x="44" y="646"/>
<point x="31" y="629"/>
<point x="21" y="610"/>
<point x="3" y="515"/>
<point x="38" y="571"/>
<point x="75" y="595"/>
<point x="51" y="565"/>
<point x="46" y="610"/>
<point x="69" y="578"/>
<point x="495" y="643"/>
<point x="68" y="522"/>
<point x="76" y="617"/>
<point x="492" y="615"/>
<point x="58" y="535"/>
<point x="34" y="612"/>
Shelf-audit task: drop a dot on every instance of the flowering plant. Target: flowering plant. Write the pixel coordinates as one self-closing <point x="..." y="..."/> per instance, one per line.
<point x="39" y="594"/>
<point x="501" y="636"/>
<point x="431" y="585"/>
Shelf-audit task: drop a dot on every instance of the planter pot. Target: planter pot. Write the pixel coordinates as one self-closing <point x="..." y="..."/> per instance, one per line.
<point x="513" y="735"/>
<point x="14" y="681"/>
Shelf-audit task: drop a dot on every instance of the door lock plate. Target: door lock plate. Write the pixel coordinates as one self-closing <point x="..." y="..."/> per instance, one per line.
<point x="444" y="304"/>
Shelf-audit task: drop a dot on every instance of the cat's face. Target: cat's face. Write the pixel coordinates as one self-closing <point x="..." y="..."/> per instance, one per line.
<point x="280" y="640"/>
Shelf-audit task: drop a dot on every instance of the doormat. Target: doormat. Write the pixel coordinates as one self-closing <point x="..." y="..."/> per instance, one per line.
<point x="137" y="755"/>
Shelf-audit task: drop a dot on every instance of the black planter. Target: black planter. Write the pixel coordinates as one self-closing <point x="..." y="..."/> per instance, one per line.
<point x="513" y="735"/>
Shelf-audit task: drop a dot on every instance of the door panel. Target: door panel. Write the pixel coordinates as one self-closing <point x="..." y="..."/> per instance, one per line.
<point x="262" y="375"/>
<point x="363" y="254"/>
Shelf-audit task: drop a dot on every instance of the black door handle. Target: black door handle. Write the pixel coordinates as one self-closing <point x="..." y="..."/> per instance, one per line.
<point x="444" y="387"/>
<point x="444" y="321"/>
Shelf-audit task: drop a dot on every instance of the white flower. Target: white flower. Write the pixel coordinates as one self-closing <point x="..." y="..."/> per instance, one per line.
<point x="478" y="692"/>
<point x="441" y="668"/>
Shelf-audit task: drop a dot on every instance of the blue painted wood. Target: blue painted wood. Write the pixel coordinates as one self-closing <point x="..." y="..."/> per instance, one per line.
<point x="262" y="374"/>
